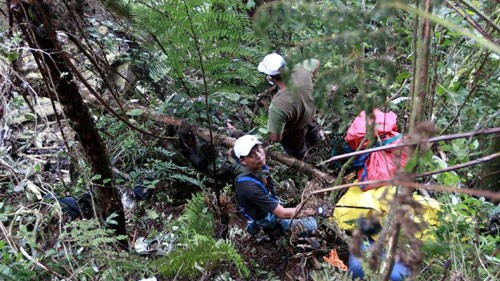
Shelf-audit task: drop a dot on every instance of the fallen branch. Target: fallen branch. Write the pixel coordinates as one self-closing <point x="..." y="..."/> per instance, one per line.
<point x="229" y="142"/>
<point x="393" y="146"/>
<point x="38" y="263"/>
<point x="442" y="188"/>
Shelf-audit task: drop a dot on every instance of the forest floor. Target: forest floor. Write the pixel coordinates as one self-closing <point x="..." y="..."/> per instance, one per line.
<point x="39" y="148"/>
<point x="275" y="256"/>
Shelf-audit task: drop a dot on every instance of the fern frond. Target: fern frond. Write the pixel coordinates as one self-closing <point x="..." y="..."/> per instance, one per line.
<point x="200" y="251"/>
<point x="220" y="28"/>
<point x="197" y="217"/>
<point x="200" y="255"/>
<point x="88" y="233"/>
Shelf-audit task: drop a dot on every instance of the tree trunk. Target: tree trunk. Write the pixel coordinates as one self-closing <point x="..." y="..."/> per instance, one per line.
<point x="490" y="173"/>
<point x="35" y="20"/>
<point x="421" y="77"/>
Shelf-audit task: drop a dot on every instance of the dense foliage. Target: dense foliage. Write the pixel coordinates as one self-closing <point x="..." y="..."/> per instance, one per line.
<point x="196" y="60"/>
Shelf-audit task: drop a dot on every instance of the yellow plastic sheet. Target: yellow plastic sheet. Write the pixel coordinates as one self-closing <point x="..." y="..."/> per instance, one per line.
<point x="356" y="203"/>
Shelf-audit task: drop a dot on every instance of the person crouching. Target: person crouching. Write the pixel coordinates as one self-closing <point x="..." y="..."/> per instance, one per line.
<point x="256" y="194"/>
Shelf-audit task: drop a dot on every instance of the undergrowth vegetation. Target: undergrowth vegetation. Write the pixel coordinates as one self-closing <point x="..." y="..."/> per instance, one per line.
<point x="198" y="251"/>
<point x="196" y="60"/>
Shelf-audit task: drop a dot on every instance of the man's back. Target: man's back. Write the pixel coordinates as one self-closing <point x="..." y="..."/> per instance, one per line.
<point x="293" y="108"/>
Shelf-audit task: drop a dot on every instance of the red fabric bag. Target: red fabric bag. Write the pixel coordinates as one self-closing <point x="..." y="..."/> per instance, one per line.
<point x="380" y="164"/>
<point x="385" y="127"/>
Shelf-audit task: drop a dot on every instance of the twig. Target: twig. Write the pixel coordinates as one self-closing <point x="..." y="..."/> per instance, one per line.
<point x="44" y="267"/>
<point x="7" y="237"/>
<point x="443" y="188"/>
<point x="207" y="105"/>
<point x="472" y="91"/>
<point x="435" y="139"/>
<point x="448" y="189"/>
<point x="480" y="14"/>
<point x="342" y="186"/>
<point x="460" y="166"/>
<point x="471" y="21"/>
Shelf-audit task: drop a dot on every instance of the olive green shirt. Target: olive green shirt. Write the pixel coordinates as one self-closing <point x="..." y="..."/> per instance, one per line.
<point x="294" y="108"/>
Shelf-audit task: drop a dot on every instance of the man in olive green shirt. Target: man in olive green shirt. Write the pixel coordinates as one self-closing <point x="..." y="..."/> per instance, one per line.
<point x="291" y="113"/>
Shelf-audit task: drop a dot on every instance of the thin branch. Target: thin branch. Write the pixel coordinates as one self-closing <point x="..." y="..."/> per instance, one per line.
<point x="44" y="267"/>
<point x="75" y="71"/>
<point x="480" y="14"/>
<point x="471" y="93"/>
<point x="91" y="58"/>
<point x="7" y="237"/>
<point x="448" y="189"/>
<point x="342" y="186"/>
<point x="460" y="166"/>
<point x="388" y="181"/>
<point x="442" y="188"/>
<point x="495" y="130"/>
<point x="207" y="105"/>
<point x="471" y="21"/>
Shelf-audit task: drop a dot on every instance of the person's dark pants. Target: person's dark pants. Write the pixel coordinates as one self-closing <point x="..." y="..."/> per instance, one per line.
<point x="297" y="142"/>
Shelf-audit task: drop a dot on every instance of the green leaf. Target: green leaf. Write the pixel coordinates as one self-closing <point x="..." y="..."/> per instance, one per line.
<point x="234" y="97"/>
<point x="412" y="162"/>
<point x="474" y="145"/>
<point x="96" y="177"/>
<point x="427" y="156"/>
<point x="135" y="112"/>
<point x="403" y="76"/>
<point x="12" y="57"/>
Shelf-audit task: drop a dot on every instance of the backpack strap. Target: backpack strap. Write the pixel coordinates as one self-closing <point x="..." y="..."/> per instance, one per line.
<point x="259" y="183"/>
<point x="264" y="189"/>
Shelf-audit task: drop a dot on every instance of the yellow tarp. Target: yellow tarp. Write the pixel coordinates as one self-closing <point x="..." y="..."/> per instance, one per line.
<point x="356" y="203"/>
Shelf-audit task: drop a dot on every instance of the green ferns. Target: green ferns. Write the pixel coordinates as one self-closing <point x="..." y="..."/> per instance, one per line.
<point x="88" y="233"/>
<point x="200" y="252"/>
<point x="208" y="39"/>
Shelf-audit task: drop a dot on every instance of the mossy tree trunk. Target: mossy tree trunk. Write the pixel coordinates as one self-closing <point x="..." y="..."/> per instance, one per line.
<point x="36" y="22"/>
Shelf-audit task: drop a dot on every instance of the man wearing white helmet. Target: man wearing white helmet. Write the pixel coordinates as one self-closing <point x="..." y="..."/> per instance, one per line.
<point x="292" y="109"/>
<point x="256" y="194"/>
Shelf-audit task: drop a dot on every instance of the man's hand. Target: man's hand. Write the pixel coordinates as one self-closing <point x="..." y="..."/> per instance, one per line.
<point x="235" y="133"/>
<point x="186" y="135"/>
<point x="184" y="127"/>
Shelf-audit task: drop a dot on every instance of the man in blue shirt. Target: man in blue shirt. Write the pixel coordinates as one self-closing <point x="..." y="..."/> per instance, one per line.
<point x="256" y="194"/>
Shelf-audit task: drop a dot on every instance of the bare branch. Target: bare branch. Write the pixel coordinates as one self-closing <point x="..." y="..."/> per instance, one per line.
<point x="443" y="188"/>
<point x="460" y="166"/>
<point x="495" y="130"/>
<point x="480" y="14"/>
